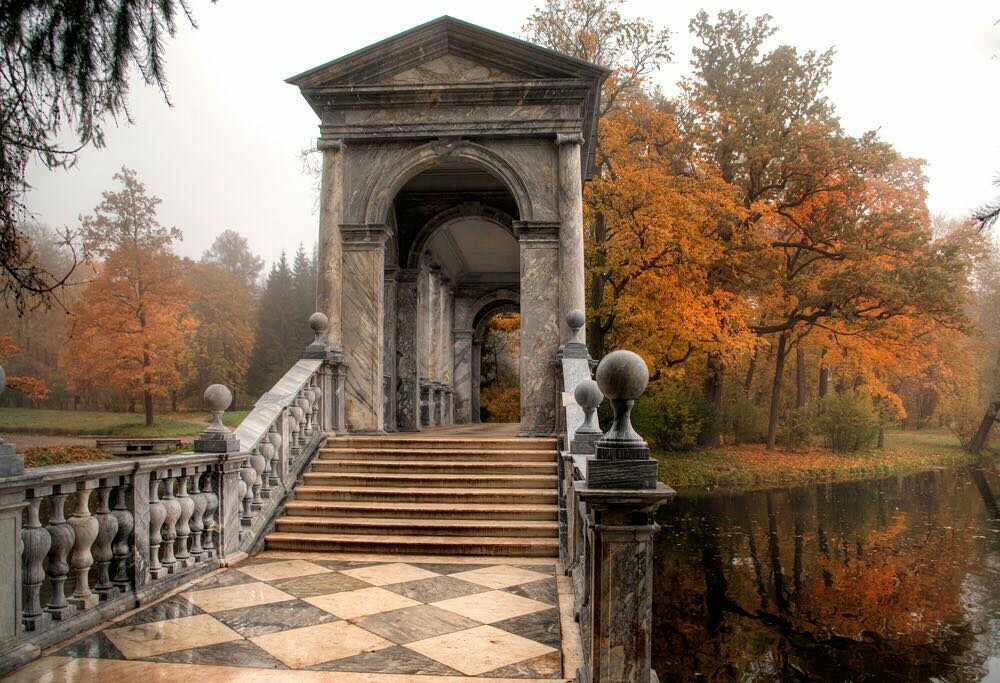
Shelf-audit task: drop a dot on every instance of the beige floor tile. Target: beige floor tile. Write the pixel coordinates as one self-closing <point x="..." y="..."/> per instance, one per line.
<point x="43" y="669"/>
<point x="480" y="649"/>
<point x="384" y="574"/>
<point x="316" y="644"/>
<point x="161" y="637"/>
<point x="232" y="597"/>
<point x="491" y="606"/>
<point x="361" y="603"/>
<point x="500" y="576"/>
<point x="282" y="570"/>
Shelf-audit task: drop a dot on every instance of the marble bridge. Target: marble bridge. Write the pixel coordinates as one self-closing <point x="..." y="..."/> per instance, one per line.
<point x="362" y="524"/>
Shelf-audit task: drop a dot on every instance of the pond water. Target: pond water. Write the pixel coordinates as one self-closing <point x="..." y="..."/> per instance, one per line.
<point x="896" y="579"/>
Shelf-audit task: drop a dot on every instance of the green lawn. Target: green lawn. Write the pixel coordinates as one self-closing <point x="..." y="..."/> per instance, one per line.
<point x="86" y="422"/>
<point x="751" y="466"/>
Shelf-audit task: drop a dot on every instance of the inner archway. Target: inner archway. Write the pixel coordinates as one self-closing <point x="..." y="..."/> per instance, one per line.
<point x="496" y="382"/>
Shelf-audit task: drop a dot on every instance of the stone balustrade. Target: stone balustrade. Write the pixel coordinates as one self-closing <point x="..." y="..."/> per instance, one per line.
<point x="608" y="497"/>
<point x="87" y="541"/>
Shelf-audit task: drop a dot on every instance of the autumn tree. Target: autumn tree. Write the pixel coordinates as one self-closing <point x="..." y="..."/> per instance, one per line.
<point x="32" y="388"/>
<point x="231" y="251"/>
<point x="218" y="350"/>
<point x="131" y="327"/>
<point x="65" y="65"/>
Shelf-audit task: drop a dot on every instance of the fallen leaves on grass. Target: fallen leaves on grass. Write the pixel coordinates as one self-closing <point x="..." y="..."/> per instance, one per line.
<point x="43" y="456"/>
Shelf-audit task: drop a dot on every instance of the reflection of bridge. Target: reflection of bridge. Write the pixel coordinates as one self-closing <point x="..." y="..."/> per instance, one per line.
<point x="453" y="162"/>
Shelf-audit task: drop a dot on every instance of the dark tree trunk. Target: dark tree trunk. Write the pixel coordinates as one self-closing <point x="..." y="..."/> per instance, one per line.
<point x="595" y="329"/>
<point x="824" y="376"/>
<point x="983" y="433"/>
<point x="748" y="382"/>
<point x="713" y="393"/>
<point x="779" y="371"/>
<point x="147" y="400"/>
<point x="800" y="376"/>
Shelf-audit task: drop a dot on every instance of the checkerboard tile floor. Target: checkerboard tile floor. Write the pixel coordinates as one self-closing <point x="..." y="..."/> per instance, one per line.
<point x="410" y="618"/>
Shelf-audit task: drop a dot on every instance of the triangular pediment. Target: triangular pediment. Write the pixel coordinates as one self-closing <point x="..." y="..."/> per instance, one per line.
<point x="443" y="51"/>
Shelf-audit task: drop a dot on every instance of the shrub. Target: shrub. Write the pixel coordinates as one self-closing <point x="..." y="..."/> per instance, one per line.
<point x="848" y="422"/>
<point x="745" y="420"/>
<point x="500" y="404"/>
<point x="798" y="427"/>
<point x="672" y="417"/>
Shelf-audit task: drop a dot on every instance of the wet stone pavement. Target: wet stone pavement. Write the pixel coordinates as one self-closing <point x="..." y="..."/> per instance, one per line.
<point x="275" y="618"/>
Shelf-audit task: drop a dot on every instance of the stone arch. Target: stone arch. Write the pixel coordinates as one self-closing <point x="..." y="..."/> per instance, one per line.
<point x="488" y="304"/>
<point x="448" y="216"/>
<point x="385" y="186"/>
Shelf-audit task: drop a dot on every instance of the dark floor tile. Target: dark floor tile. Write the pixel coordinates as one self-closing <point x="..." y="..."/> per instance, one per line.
<point x="318" y="584"/>
<point x="171" y="608"/>
<point x="344" y="564"/>
<point x="449" y="568"/>
<point x="96" y="646"/>
<point x="250" y="622"/>
<point x="543" y="590"/>
<point x="542" y="627"/>
<point x="547" y="569"/>
<point x="230" y="577"/>
<point x="393" y="660"/>
<point x="411" y="624"/>
<point x="545" y="666"/>
<point x="435" y="589"/>
<point x="235" y="653"/>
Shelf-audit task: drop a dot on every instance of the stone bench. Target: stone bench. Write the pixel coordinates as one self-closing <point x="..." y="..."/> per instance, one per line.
<point x="138" y="446"/>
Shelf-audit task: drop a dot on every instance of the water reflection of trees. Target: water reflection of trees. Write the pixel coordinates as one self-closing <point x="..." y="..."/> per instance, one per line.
<point x="870" y="580"/>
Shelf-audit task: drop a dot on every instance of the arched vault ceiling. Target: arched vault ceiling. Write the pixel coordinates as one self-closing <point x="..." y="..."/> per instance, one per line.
<point x="472" y="250"/>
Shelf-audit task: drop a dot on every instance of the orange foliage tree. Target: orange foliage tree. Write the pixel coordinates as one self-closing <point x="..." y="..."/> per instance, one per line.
<point x="32" y="387"/>
<point x="131" y="327"/>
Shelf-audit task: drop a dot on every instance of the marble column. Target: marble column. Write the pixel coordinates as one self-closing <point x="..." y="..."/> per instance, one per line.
<point x="434" y="341"/>
<point x="330" y="248"/>
<point x="571" y="266"/>
<point x="364" y="258"/>
<point x="409" y="334"/>
<point x="389" y="333"/>
<point x="447" y="346"/>
<point x="462" y="380"/>
<point x="477" y="360"/>
<point x="539" y="245"/>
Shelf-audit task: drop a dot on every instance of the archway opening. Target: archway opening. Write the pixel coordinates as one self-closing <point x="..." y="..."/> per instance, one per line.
<point x="499" y="390"/>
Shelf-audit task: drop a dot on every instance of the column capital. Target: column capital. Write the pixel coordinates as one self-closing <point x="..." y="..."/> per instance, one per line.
<point x="536" y="230"/>
<point x="391" y="273"/>
<point x="335" y="144"/>
<point x="569" y="139"/>
<point x="363" y="234"/>
<point x="461" y="333"/>
<point x="407" y="276"/>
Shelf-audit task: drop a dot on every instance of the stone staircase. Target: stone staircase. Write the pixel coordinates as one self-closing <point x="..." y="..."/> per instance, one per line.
<point x="427" y="496"/>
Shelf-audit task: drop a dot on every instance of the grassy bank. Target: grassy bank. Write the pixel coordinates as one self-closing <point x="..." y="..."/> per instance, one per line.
<point x="86" y="422"/>
<point x="751" y="466"/>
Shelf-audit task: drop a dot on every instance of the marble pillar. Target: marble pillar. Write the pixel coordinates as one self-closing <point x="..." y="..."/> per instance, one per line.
<point x="363" y="259"/>
<point x="330" y="248"/>
<point x="389" y="333"/>
<point x="447" y="346"/>
<point x="571" y="259"/>
<point x="476" y="380"/>
<point x="462" y="381"/>
<point x="539" y="245"/>
<point x="408" y="352"/>
<point x="434" y="340"/>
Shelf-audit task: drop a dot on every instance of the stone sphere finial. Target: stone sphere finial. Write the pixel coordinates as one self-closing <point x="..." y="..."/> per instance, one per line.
<point x="575" y="320"/>
<point x="217" y="398"/>
<point x="588" y="395"/>
<point x="622" y="376"/>
<point x="319" y="324"/>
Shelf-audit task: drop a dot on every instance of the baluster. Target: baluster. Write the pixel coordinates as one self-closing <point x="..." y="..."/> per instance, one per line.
<point x="293" y="432"/>
<point x="197" y="516"/>
<point x="173" y="508"/>
<point x="123" y="539"/>
<point x="36" y="541"/>
<point x="308" y="397"/>
<point x="107" y="528"/>
<point x="274" y="436"/>
<point x="256" y="461"/>
<point x="61" y="533"/>
<point x="184" y="558"/>
<point x="211" y="523"/>
<point x="247" y="476"/>
<point x="317" y="395"/>
<point x="304" y="411"/>
<point x="267" y="452"/>
<point x="85" y="529"/>
<point x="157" y="513"/>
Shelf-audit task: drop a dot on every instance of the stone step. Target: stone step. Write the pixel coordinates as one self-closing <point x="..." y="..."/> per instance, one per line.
<point x="422" y="494"/>
<point x="466" y="467"/>
<point x="460" y="454"/>
<point x="473" y="511"/>
<point x="419" y="545"/>
<point x="420" y="526"/>
<point x="462" y="481"/>
<point x="443" y="443"/>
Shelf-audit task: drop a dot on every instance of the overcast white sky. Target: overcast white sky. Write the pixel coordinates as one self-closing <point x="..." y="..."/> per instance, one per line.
<point x="226" y="155"/>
